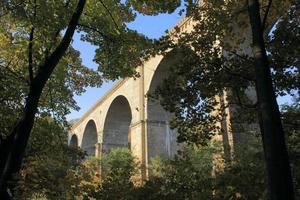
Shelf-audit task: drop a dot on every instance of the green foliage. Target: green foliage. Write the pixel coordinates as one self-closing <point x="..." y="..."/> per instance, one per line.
<point x="152" y="7"/>
<point x="119" y="162"/>
<point x="30" y="31"/>
<point x="284" y="54"/>
<point x="85" y="179"/>
<point x="48" y="159"/>
<point x="108" y="178"/>
<point x="222" y="61"/>
<point x="216" y="58"/>
<point x="244" y="177"/>
<point x="119" y="49"/>
<point x="118" y="168"/>
<point x="187" y="176"/>
<point x="291" y="122"/>
<point x="195" y="173"/>
<point x="69" y="78"/>
<point x="210" y="66"/>
<point x="10" y="99"/>
<point x="212" y="60"/>
<point x="205" y="173"/>
<point x="38" y="65"/>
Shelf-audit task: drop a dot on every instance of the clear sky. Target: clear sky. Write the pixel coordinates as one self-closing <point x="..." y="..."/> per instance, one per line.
<point x="151" y="26"/>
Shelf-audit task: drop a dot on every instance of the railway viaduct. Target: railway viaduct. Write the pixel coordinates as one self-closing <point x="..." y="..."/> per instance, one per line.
<point x="126" y="117"/>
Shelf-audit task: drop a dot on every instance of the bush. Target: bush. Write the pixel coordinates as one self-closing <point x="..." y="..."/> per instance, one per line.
<point x="203" y="173"/>
<point x="118" y="168"/>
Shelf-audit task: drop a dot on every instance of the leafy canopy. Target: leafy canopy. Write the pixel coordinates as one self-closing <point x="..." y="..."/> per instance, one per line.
<point x="218" y="57"/>
<point x="31" y="30"/>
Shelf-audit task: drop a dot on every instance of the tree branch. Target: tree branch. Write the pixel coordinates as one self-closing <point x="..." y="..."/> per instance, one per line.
<point x="53" y="113"/>
<point x="30" y="46"/>
<point x="266" y="15"/>
<point x="50" y="62"/>
<point x="248" y="78"/>
<point x="15" y="145"/>
<point x="96" y="30"/>
<point x="111" y="16"/>
<point x="30" y="60"/>
<point x="240" y="103"/>
<point x="240" y="56"/>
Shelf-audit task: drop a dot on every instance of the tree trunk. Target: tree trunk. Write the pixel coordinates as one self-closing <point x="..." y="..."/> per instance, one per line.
<point x="280" y="183"/>
<point x="13" y="148"/>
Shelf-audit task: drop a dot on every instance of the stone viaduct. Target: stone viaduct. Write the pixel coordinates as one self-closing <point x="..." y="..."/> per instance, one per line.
<point x="126" y="117"/>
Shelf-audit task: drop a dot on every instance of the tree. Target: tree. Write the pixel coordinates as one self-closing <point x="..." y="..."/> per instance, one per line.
<point x="48" y="164"/>
<point x="40" y="33"/>
<point x="189" y="174"/>
<point x="276" y="156"/>
<point x="115" y="181"/>
<point x="290" y="118"/>
<point x="13" y="147"/>
<point x="118" y="170"/>
<point x="222" y="60"/>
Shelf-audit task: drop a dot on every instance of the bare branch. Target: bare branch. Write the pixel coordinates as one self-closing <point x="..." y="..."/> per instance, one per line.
<point x="247" y="59"/>
<point x="240" y="103"/>
<point x="243" y="76"/>
<point x="30" y="60"/>
<point x="266" y="15"/>
<point x="30" y="47"/>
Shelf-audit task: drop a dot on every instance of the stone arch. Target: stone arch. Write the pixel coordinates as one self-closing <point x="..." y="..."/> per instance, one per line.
<point x="116" y="131"/>
<point x="89" y="138"/>
<point x="161" y="140"/>
<point x="74" y="141"/>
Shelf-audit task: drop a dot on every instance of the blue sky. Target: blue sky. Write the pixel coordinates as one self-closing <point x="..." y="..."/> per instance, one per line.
<point x="151" y="26"/>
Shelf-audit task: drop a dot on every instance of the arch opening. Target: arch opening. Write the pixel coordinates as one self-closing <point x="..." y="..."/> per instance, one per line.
<point x="116" y="132"/>
<point x="89" y="139"/>
<point x="74" y="141"/>
<point x="161" y="140"/>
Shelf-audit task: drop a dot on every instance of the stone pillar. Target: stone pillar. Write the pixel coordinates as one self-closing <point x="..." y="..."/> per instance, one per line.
<point x="98" y="147"/>
<point x="161" y="140"/>
<point x="136" y="143"/>
<point x="139" y="131"/>
<point x="226" y="124"/>
<point x="138" y="150"/>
